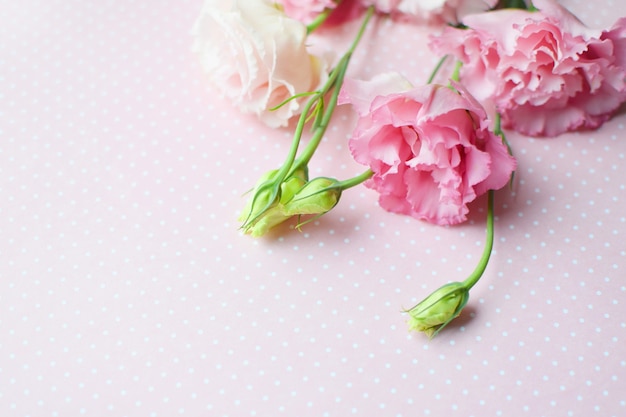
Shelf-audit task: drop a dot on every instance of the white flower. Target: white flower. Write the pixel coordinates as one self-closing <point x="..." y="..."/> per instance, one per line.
<point x="256" y="56"/>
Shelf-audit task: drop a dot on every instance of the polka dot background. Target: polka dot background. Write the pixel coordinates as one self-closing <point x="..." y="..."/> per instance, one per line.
<point x="126" y="288"/>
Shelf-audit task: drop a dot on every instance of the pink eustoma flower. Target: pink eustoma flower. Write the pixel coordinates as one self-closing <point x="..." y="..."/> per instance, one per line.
<point x="430" y="147"/>
<point x="544" y="71"/>
<point x="306" y="10"/>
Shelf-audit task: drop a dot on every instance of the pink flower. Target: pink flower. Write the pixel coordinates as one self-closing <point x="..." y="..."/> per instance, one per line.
<point x="306" y="10"/>
<point x="256" y="56"/>
<point x="430" y="148"/>
<point x="545" y="72"/>
<point x="431" y="11"/>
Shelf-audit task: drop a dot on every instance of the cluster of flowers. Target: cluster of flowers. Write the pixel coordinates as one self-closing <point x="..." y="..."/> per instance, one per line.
<point x="429" y="150"/>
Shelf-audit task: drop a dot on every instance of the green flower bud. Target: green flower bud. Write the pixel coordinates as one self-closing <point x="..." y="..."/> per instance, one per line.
<point x="316" y="197"/>
<point x="260" y="198"/>
<point x="270" y="218"/>
<point x="438" y="309"/>
<point x="265" y="209"/>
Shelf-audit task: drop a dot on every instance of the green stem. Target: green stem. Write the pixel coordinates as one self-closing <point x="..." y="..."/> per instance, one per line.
<point x="288" y="166"/>
<point x="436" y="69"/>
<point x="322" y="124"/>
<point x="291" y="156"/>
<point x="456" y="74"/>
<point x="341" y="70"/>
<point x="497" y="129"/>
<point x="294" y="97"/>
<point x="318" y="21"/>
<point x="484" y="259"/>
<point x="354" y="181"/>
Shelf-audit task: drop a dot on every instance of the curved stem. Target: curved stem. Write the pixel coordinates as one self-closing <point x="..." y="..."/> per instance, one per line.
<point x="354" y="181"/>
<point x="436" y="69"/>
<point x="484" y="259"/>
<point x="318" y="21"/>
<point x="457" y="70"/>
<point x="291" y="156"/>
<point x="320" y="129"/>
<point x="497" y="129"/>
<point x="368" y="15"/>
<point x="339" y="73"/>
<point x="288" y="166"/>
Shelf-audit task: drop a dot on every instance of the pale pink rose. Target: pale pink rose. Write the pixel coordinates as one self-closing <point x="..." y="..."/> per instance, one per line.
<point x="430" y="147"/>
<point x="306" y="10"/>
<point x="431" y="11"/>
<point x="545" y="72"/>
<point x="256" y="56"/>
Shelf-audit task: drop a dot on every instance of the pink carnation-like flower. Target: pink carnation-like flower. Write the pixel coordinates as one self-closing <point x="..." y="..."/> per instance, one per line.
<point x="545" y="72"/>
<point x="430" y="148"/>
<point x="306" y="10"/>
<point x="431" y="11"/>
<point x="257" y="56"/>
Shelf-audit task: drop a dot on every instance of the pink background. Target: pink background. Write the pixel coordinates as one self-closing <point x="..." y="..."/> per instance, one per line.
<point x="126" y="288"/>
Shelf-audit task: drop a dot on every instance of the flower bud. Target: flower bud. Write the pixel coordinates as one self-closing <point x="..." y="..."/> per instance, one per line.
<point x="270" y="218"/>
<point x="260" y="198"/>
<point x="437" y="310"/>
<point x="261" y="213"/>
<point x="316" y="197"/>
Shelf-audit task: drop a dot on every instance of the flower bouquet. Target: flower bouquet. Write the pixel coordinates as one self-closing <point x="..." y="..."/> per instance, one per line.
<point x="428" y="150"/>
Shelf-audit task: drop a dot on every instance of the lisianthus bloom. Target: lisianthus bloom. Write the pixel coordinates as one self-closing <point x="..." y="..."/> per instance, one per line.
<point x="544" y="71"/>
<point x="430" y="148"/>
<point x="257" y="56"/>
<point x="306" y="10"/>
<point x="309" y="11"/>
<point x="431" y="11"/>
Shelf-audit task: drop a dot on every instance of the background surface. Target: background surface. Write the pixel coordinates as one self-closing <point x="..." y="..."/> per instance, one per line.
<point x="126" y="288"/>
